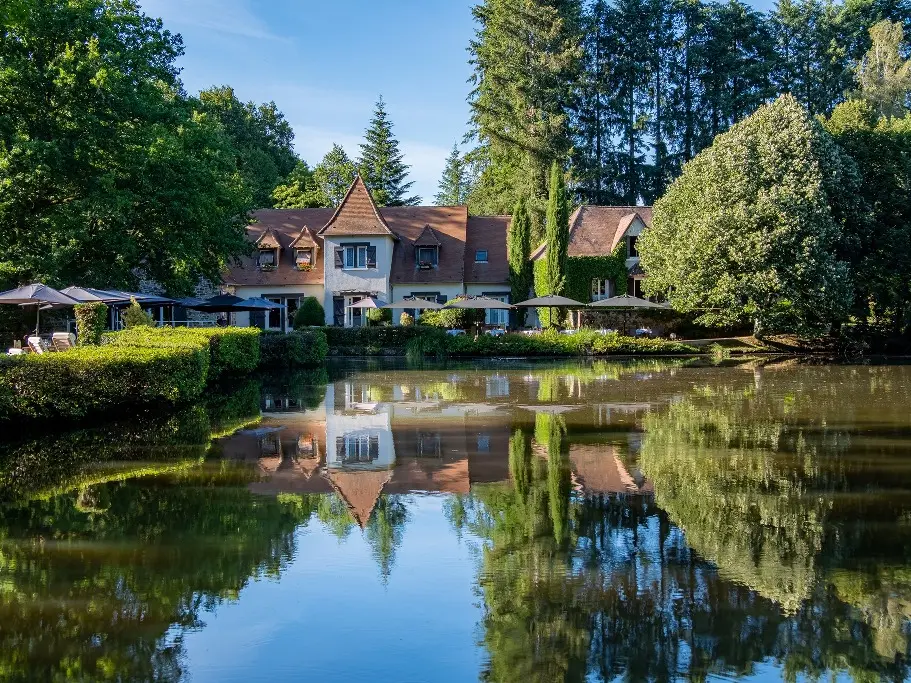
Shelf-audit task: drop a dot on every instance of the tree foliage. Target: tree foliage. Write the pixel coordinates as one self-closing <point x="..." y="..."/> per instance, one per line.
<point x="557" y="240"/>
<point x="751" y="228"/>
<point x="518" y="243"/>
<point x="334" y="175"/>
<point x="382" y="165"/>
<point x="299" y="190"/>
<point x="453" y="186"/>
<point x="884" y="75"/>
<point x="107" y="172"/>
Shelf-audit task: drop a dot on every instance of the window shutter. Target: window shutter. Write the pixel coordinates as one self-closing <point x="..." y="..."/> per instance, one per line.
<point x="371" y="257"/>
<point x="339" y="257"/>
<point x="340" y="446"/>
<point x="338" y="311"/>
<point x="374" y="447"/>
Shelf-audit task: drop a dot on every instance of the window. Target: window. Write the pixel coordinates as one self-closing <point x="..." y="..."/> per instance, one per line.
<point x="427" y="256"/>
<point x="356" y="256"/>
<point x="275" y="315"/>
<point x="303" y="258"/>
<point x="267" y="258"/>
<point x="634" y="287"/>
<point x="600" y="289"/>
<point x="360" y="448"/>
<point x="631" y="249"/>
<point x="497" y="317"/>
<point x="480" y="256"/>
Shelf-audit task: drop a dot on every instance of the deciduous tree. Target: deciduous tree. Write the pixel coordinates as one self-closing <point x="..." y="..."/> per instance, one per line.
<point x="334" y="174"/>
<point x="300" y="190"/>
<point x="884" y="75"/>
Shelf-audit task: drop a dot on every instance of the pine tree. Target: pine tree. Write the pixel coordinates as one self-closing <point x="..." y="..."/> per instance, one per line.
<point x="381" y="163"/>
<point x="526" y="65"/>
<point x="557" y="240"/>
<point x="519" y="254"/>
<point x="334" y="174"/>
<point x="454" y="182"/>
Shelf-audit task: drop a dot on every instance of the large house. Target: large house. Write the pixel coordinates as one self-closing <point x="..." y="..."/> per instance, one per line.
<point x="429" y="252"/>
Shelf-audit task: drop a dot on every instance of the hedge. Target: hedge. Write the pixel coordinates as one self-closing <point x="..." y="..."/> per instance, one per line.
<point x="301" y="348"/>
<point x="232" y="349"/>
<point x="373" y="341"/>
<point x="90" y="380"/>
<point x="553" y="343"/>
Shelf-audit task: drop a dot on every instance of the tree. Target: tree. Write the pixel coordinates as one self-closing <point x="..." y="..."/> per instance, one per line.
<point x="557" y="240"/>
<point x="121" y="177"/>
<point x="334" y="175"/>
<point x="883" y="75"/>
<point x="521" y="276"/>
<point x="454" y="182"/>
<point x="526" y="59"/>
<point x="750" y="229"/>
<point x="878" y="246"/>
<point x="263" y="140"/>
<point x="381" y="164"/>
<point x="300" y="190"/>
<point x="309" y="313"/>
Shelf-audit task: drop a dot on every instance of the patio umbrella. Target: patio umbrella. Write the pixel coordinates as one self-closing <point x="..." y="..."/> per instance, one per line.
<point x="369" y="302"/>
<point x="415" y="303"/>
<point x="263" y="304"/>
<point x="90" y="294"/>
<point x="36" y="295"/>
<point x="626" y="301"/>
<point x="552" y="301"/>
<point x="228" y="303"/>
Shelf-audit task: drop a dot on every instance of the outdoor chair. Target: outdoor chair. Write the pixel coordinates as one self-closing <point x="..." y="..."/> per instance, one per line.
<point x="37" y="345"/>
<point x="63" y="341"/>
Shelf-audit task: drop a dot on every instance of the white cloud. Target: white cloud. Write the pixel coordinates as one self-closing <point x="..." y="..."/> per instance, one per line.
<point x="234" y="17"/>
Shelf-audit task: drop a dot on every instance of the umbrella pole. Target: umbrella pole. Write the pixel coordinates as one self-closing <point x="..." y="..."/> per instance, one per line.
<point x="37" y="319"/>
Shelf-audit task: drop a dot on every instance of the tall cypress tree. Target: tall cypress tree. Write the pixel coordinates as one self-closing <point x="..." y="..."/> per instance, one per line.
<point x="519" y="254"/>
<point x="526" y="64"/>
<point x="453" y="184"/>
<point x="557" y="239"/>
<point x="382" y="165"/>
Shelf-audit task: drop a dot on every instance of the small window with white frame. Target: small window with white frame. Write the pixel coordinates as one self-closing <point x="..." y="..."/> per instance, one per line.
<point x="356" y="257"/>
<point x="266" y="258"/>
<point x="480" y="256"/>
<point x="600" y="289"/>
<point x="427" y="257"/>
<point x="303" y="258"/>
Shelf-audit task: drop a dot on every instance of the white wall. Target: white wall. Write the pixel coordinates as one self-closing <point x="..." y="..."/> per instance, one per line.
<point x="634" y="230"/>
<point x="480" y="289"/>
<point x="354" y="422"/>
<point x="338" y="280"/>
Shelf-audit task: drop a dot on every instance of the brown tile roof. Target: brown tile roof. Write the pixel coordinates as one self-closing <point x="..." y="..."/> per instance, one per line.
<point x="599" y="470"/>
<point x="356" y="214"/>
<point x="359" y="489"/>
<point x="487" y="232"/>
<point x="410" y="224"/>
<point x="597" y="230"/>
<point x="285" y="225"/>
<point x="305" y="239"/>
<point x="267" y="240"/>
<point x="427" y="238"/>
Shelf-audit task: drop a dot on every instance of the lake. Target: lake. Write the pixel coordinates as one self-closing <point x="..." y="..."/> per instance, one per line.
<point x="497" y="521"/>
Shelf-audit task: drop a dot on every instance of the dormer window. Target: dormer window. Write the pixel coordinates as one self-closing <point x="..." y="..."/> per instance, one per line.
<point x="303" y="258"/>
<point x="267" y="259"/>
<point x="427" y="257"/>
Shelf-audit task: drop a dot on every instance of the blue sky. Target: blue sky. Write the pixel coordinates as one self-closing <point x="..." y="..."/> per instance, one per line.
<point x="326" y="63"/>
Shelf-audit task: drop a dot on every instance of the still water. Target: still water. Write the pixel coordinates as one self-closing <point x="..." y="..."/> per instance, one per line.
<point x="639" y="520"/>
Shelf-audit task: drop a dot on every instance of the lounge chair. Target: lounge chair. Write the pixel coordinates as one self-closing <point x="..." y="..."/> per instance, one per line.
<point x="37" y="345"/>
<point x="63" y="341"/>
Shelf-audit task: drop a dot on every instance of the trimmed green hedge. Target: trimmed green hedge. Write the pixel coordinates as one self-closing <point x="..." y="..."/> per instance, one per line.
<point x="552" y="343"/>
<point x="232" y="349"/>
<point x="91" y="380"/>
<point x="301" y="348"/>
<point x="374" y="341"/>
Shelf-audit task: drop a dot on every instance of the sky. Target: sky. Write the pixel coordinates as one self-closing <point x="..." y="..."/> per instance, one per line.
<point x="325" y="64"/>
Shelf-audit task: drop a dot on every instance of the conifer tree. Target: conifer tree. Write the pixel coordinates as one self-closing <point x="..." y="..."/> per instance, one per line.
<point x="557" y="239"/>
<point x="381" y="164"/>
<point x="454" y="182"/>
<point x="334" y="174"/>
<point x="519" y="255"/>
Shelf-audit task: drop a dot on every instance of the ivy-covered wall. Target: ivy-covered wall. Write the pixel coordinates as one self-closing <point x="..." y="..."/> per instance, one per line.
<point x="581" y="270"/>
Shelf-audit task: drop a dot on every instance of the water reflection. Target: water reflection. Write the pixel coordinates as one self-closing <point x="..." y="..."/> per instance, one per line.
<point x="643" y="520"/>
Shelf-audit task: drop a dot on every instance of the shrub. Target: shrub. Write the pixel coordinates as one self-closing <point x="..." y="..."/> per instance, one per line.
<point x="552" y="343"/>
<point x="232" y="349"/>
<point x="309" y="314"/>
<point x="359" y="341"/>
<point x="406" y="319"/>
<point x="453" y="318"/>
<point x="93" y="380"/>
<point x="134" y="316"/>
<point x="301" y="348"/>
<point x="378" y="316"/>
<point x="91" y="319"/>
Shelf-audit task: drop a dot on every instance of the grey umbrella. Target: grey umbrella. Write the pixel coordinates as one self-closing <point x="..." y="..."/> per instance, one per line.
<point x="228" y="303"/>
<point x="478" y="302"/>
<point x="551" y="302"/>
<point x="36" y="295"/>
<point x="264" y="304"/>
<point x="89" y="294"/>
<point x="415" y="303"/>
<point x="368" y="302"/>
<point x="626" y="301"/>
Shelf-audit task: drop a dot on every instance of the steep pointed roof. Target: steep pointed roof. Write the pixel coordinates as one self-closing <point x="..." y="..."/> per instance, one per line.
<point x="305" y="239"/>
<point x="357" y="214"/>
<point x="427" y="238"/>
<point x="268" y="240"/>
<point x="360" y="489"/>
